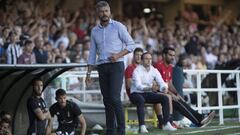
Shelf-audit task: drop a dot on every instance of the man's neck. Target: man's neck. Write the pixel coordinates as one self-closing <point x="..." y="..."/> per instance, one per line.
<point x="136" y="63"/>
<point x="104" y="24"/>
<point x="147" y="67"/>
<point x="165" y="63"/>
<point x="36" y="96"/>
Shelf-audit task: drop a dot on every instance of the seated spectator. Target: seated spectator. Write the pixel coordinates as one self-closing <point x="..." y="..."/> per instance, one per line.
<point x="5" y="127"/>
<point x="13" y="49"/>
<point x="142" y="91"/>
<point x="2" y="54"/>
<point x="5" y="115"/>
<point x="165" y="68"/>
<point x="40" y="53"/>
<point x="5" y="123"/>
<point x="128" y="82"/>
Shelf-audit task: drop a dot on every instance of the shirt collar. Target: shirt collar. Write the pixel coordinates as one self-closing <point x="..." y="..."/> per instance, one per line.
<point x="100" y="26"/>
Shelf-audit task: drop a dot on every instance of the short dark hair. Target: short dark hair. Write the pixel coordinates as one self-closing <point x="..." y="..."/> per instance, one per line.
<point x="166" y="49"/>
<point x="28" y="42"/>
<point x="2" y="113"/>
<point x="4" y="120"/>
<point x="60" y="92"/>
<point x="12" y="33"/>
<point x="137" y="50"/>
<point x="101" y="4"/>
<point x="145" y="54"/>
<point x="35" y="80"/>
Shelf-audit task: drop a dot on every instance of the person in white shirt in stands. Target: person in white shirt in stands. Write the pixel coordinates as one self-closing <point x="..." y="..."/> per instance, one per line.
<point x="143" y="91"/>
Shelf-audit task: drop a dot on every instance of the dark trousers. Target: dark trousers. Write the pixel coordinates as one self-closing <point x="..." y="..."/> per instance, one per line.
<point x="188" y="112"/>
<point x="111" y="79"/>
<point x="139" y="99"/>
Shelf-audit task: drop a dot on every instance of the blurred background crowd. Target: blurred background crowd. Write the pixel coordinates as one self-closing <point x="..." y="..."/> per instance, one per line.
<point x="31" y="32"/>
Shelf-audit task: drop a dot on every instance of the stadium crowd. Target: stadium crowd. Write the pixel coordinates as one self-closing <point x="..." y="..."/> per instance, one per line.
<point x="29" y="34"/>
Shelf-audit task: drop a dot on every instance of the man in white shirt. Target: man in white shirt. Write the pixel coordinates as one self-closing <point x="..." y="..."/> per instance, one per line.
<point x="142" y="91"/>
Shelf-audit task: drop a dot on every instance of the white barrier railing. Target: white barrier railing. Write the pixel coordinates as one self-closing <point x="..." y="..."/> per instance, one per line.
<point x="219" y="89"/>
<point x="93" y="95"/>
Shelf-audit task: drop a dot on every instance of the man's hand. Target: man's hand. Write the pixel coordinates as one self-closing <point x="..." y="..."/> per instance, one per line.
<point x="113" y="58"/>
<point x="176" y="97"/>
<point x="147" y="89"/>
<point x="88" y="80"/>
<point x="165" y="90"/>
<point x="155" y="87"/>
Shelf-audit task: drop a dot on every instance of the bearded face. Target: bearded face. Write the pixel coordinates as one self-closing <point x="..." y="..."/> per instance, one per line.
<point x="104" y="13"/>
<point x="37" y="88"/>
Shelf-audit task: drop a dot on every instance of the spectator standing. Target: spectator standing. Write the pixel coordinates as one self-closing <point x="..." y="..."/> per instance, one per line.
<point x="28" y="57"/>
<point x="40" y="53"/>
<point x="143" y="91"/>
<point x="110" y="40"/>
<point x="13" y="49"/>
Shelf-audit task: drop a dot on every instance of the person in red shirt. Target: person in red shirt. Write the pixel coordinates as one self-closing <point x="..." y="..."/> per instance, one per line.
<point x="130" y="68"/>
<point x="165" y="67"/>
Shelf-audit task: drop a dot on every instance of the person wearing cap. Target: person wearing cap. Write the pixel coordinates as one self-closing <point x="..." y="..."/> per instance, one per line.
<point x="69" y="115"/>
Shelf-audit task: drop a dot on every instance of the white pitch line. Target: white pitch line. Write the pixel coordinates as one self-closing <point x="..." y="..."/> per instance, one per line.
<point x="234" y="134"/>
<point x="208" y="130"/>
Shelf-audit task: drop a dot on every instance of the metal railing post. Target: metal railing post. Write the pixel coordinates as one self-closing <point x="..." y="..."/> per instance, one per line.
<point x="199" y="92"/>
<point x="238" y="93"/>
<point x="220" y="99"/>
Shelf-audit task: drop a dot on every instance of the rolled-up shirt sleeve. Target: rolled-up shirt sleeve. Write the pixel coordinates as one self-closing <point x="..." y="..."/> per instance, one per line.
<point x="126" y="38"/>
<point x="92" y="51"/>
<point x="159" y="80"/>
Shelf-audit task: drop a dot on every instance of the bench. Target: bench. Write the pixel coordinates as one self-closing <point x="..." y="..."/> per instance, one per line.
<point x="129" y="106"/>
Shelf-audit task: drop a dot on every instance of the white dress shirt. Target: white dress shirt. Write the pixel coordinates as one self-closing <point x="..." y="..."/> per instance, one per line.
<point x="143" y="78"/>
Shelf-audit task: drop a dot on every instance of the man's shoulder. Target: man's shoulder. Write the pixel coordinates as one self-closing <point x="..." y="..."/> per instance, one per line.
<point x="129" y="70"/>
<point x="54" y="106"/>
<point x="159" y="63"/>
<point x="32" y="99"/>
<point x="29" y="100"/>
<point x="71" y="103"/>
<point x="131" y="66"/>
<point x="96" y="27"/>
<point x="117" y="24"/>
<point x="138" y="67"/>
